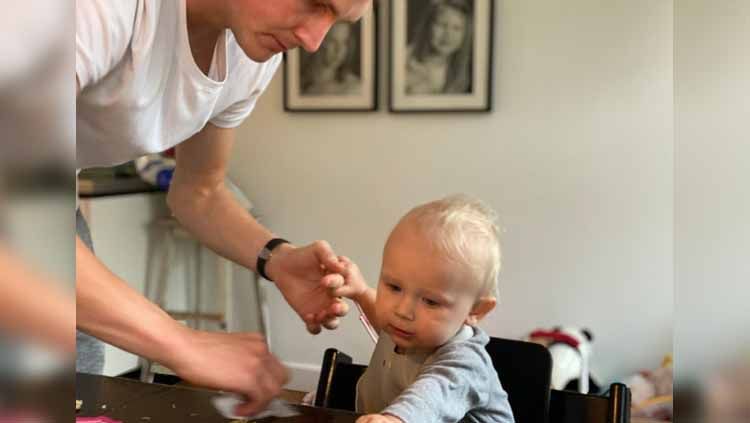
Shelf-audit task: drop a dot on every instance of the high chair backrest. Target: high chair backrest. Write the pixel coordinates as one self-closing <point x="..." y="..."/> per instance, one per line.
<point x="574" y="407"/>
<point x="337" y="384"/>
<point x="524" y="370"/>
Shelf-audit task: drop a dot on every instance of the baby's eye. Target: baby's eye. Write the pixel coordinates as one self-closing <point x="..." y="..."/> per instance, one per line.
<point x="430" y="303"/>
<point x="394" y="288"/>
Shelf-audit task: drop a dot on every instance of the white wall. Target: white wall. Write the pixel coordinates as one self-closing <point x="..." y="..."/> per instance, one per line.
<point x="576" y="157"/>
<point x="712" y="193"/>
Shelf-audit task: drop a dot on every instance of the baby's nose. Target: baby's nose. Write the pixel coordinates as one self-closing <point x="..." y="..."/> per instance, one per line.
<point x="405" y="308"/>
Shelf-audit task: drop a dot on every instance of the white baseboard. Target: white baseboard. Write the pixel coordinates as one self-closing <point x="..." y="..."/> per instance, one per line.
<point x="303" y="377"/>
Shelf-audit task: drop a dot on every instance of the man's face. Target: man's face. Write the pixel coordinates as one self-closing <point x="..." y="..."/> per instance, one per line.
<point x="264" y="28"/>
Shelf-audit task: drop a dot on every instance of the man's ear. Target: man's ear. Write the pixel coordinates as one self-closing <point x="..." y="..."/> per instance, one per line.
<point x="483" y="306"/>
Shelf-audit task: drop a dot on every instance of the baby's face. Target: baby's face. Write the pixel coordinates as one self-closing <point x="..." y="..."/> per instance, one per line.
<point x="423" y="298"/>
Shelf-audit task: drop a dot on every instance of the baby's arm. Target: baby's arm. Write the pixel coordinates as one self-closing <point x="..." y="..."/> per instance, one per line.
<point x="450" y="385"/>
<point x="356" y="288"/>
<point x="379" y="418"/>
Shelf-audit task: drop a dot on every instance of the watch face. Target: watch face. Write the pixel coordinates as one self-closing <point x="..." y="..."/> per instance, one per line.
<point x="265" y="254"/>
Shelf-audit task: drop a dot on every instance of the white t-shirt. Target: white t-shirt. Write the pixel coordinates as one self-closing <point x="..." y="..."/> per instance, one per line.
<point x="141" y="91"/>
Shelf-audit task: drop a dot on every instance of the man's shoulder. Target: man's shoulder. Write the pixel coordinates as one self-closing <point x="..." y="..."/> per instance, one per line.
<point x="111" y="15"/>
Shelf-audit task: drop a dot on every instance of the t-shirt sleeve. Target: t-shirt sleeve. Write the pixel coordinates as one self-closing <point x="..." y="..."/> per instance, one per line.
<point x="104" y="29"/>
<point x="451" y="384"/>
<point x="236" y="113"/>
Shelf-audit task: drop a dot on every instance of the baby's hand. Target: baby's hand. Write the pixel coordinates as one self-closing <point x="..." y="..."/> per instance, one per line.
<point x="354" y="284"/>
<point x="379" y="418"/>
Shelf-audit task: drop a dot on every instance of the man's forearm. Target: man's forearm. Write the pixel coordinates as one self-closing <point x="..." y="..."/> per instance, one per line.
<point x="32" y="307"/>
<point x="109" y="309"/>
<point x="218" y="220"/>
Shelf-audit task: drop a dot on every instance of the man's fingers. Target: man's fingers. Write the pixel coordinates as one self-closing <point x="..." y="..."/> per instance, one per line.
<point x="314" y="329"/>
<point x="254" y="401"/>
<point x="339" y="308"/>
<point x="279" y="373"/>
<point x="311" y="324"/>
<point x="328" y="318"/>
<point x="326" y="257"/>
<point x="333" y="281"/>
<point x="332" y="323"/>
<point x="251" y="407"/>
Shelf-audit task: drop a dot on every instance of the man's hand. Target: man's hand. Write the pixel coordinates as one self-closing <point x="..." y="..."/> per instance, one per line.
<point x="307" y="277"/>
<point x="379" y="418"/>
<point x="234" y="362"/>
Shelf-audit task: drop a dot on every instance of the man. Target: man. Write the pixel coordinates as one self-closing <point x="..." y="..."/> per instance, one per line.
<point x="152" y="74"/>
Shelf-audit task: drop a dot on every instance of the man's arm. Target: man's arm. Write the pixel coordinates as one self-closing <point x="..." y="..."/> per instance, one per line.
<point x="108" y="308"/>
<point x="111" y="310"/>
<point x="34" y="308"/>
<point x="203" y="204"/>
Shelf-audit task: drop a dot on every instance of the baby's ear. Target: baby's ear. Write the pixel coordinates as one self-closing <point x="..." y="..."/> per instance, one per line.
<point x="483" y="306"/>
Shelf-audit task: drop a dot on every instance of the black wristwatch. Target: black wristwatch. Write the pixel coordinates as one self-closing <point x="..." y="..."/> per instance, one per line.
<point x="265" y="254"/>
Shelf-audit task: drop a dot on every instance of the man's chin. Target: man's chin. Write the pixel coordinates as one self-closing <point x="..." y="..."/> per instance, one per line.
<point x="258" y="54"/>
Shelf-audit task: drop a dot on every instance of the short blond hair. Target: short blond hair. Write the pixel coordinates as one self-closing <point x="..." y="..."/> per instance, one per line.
<point x="466" y="230"/>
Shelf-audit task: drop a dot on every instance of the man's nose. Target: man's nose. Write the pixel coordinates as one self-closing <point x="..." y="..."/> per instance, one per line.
<point x="312" y="33"/>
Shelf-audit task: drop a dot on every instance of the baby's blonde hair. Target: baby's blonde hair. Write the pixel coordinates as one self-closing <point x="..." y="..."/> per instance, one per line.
<point x="465" y="230"/>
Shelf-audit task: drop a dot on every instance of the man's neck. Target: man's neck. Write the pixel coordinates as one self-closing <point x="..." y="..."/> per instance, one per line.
<point x="207" y="14"/>
<point x="205" y="21"/>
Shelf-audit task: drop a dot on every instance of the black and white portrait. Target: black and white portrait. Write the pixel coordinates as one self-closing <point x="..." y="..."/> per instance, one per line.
<point x="441" y="55"/>
<point x="340" y="75"/>
<point x="335" y="68"/>
<point x="439" y="46"/>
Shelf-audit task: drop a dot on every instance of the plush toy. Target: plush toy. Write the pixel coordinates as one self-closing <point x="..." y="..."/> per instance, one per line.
<point x="570" y="348"/>
<point x="651" y="391"/>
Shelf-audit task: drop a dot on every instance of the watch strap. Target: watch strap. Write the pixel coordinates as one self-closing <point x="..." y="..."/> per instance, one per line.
<point x="265" y="254"/>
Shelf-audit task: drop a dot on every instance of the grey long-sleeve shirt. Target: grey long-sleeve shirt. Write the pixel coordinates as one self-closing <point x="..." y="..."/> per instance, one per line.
<point x="455" y="383"/>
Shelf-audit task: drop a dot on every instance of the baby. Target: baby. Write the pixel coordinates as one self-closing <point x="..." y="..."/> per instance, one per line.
<point x="438" y="280"/>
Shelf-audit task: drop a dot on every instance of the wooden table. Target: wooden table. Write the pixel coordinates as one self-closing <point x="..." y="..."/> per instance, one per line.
<point x="134" y="402"/>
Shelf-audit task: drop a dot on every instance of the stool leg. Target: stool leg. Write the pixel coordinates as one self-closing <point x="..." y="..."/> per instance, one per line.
<point x="198" y="322"/>
<point x="147" y="375"/>
<point x="166" y="263"/>
<point x="223" y="289"/>
<point x="262" y="308"/>
<point x="159" y="244"/>
<point x="154" y="238"/>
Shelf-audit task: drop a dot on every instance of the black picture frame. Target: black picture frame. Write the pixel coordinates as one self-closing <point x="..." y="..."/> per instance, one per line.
<point x="465" y="82"/>
<point x="353" y="88"/>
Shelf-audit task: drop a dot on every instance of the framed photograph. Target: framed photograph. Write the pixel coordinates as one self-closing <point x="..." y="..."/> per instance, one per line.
<point x="441" y="55"/>
<point x="340" y="76"/>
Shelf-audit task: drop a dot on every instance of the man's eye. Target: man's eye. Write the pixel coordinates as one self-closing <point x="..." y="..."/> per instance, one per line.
<point x="324" y="8"/>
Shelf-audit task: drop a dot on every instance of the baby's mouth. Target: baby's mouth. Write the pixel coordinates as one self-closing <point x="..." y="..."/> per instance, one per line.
<point x="400" y="332"/>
